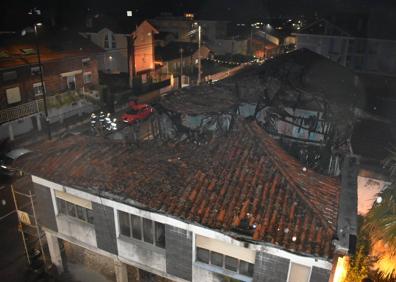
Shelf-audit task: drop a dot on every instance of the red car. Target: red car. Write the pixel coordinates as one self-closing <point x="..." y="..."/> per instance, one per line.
<point x="137" y="112"/>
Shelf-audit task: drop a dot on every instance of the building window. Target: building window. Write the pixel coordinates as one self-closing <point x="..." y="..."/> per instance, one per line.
<point x="125" y="225"/>
<point x="299" y="273"/>
<point x="246" y="268"/>
<point x="225" y="262"/>
<point x="203" y="255"/>
<point x="160" y="235"/>
<point x="148" y="230"/>
<point x="106" y="41"/>
<point x="136" y="227"/>
<point x="73" y="210"/>
<point x="216" y="259"/>
<point x="9" y="75"/>
<point x="85" y="62"/>
<point x="38" y="89"/>
<point x="231" y="263"/>
<point x="87" y="76"/>
<point x="35" y="70"/>
<point x="113" y="42"/>
<point x="71" y="82"/>
<point x="142" y="229"/>
<point x="13" y="95"/>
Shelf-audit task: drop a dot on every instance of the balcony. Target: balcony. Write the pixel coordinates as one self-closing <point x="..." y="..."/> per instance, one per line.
<point x="36" y="106"/>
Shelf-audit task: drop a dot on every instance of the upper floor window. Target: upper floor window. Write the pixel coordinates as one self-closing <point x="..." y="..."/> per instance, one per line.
<point x="106" y="41"/>
<point x="143" y="229"/>
<point x="9" y="75"/>
<point x="38" y="88"/>
<point x="13" y="95"/>
<point x="224" y="261"/>
<point x="113" y="42"/>
<point x="86" y="61"/>
<point x="35" y="70"/>
<point x="87" y="76"/>
<point x="74" y="210"/>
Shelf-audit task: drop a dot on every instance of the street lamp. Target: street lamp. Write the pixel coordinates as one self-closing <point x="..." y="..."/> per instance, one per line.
<point x="198" y="29"/>
<point x="42" y="81"/>
<point x="24" y="32"/>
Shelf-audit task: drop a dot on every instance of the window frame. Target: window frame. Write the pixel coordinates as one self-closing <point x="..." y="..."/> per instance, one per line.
<point x="138" y="234"/>
<point x="63" y="209"/>
<point x="223" y="267"/>
<point x="39" y="85"/>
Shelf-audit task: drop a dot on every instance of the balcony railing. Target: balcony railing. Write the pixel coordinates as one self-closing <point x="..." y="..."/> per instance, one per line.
<point x="36" y="106"/>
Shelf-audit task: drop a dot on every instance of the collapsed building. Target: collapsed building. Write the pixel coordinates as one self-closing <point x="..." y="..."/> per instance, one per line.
<point x="307" y="101"/>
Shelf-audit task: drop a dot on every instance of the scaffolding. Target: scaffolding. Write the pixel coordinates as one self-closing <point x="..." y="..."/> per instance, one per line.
<point x="28" y="226"/>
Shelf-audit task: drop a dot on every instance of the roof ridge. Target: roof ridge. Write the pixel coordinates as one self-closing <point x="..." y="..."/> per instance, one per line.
<point x="253" y="126"/>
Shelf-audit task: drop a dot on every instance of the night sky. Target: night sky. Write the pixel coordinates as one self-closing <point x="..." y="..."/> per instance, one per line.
<point x="72" y="12"/>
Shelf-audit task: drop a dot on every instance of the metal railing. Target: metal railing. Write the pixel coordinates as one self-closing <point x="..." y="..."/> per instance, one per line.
<point x="32" y="107"/>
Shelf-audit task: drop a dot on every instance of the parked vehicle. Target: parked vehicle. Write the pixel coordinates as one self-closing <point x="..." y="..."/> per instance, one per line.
<point x="6" y="169"/>
<point x="137" y="112"/>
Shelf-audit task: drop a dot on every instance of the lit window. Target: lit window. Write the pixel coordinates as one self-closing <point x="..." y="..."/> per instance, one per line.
<point x="13" y="95"/>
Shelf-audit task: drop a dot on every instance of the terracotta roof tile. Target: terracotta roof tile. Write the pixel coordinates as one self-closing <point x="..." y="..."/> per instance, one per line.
<point x="243" y="184"/>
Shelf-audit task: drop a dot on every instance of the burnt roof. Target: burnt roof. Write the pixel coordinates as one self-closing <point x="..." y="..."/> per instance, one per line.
<point x="300" y="79"/>
<point x="53" y="46"/>
<point x="242" y="184"/>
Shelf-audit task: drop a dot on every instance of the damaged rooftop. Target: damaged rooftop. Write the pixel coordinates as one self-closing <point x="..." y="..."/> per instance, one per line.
<point x="242" y="184"/>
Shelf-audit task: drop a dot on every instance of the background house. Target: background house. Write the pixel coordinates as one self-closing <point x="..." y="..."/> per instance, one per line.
<point x="113" y="35"/>
<point x="69" y="69"/>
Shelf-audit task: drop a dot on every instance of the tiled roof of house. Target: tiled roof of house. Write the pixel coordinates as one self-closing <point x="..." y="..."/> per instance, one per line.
<point x="242" y="184"/>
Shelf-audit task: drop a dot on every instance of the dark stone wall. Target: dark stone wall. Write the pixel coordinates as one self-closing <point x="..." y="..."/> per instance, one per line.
<point x="44" y="207"/>
<point x="178" y="252"/>
<point x="105" y="227"/>
<point x="319" y="275"/>
<point x="270" y="268"/>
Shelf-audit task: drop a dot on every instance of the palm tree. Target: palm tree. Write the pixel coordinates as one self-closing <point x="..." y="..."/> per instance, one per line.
<point x="380" y="224"/>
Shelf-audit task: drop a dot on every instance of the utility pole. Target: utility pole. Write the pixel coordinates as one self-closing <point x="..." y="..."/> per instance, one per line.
<point x="181" y="67"/>
<point x="42" y="81"/>
<point x="199" y="55"/>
